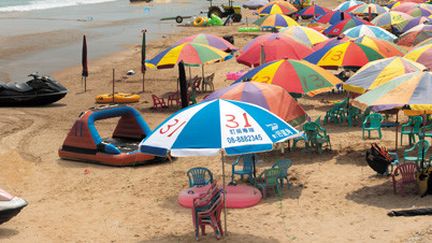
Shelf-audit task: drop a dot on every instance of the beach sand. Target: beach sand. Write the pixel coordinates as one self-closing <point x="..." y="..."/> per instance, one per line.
<point x="334" y="197"/>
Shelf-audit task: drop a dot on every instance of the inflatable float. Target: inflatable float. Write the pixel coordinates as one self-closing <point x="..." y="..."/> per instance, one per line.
<point x="249" y="29"/>
<point x="119" y="98"/>
<point x="238" y="196"/>
<point x="83" y="142"/>
<point x="10" y="206"/>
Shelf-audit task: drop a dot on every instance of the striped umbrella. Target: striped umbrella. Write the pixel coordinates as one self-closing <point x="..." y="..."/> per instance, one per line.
<point x="334" y="17"/>
<point x="404" y="6"/>
<point x="189" y="53"/>
<point x="421" y="54"/>
<point x="306" y="35"/>
<point x="379" y="72"/>
<point x="348" y="54"/>
<point x="331" y="42"/>
<point x="271" y="97"/>
<point x="270" y="47"/>
<point x="276" y="20"/>
<point x="277" y="7"/>
<point x="419" y="12"/>
<point x="340" y="27"/>
<point x="209" y="39"/>
<point x="313" y="11"/>
<point x="408" y="24"/>
<point x="386" y="48"/>
<point x="371" y="31"/>
<point x="425" y="42"/>
<point x="304" y="77"/>
<point x="387" y="20"/>
<point x="348" y="4"/>
<point x="415" y="35"/>
<point x="373" y="8"/>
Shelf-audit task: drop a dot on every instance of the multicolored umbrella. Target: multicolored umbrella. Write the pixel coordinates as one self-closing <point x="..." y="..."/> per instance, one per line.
<point x="306" y="35"/>
<point x="340" y="27"/>
<point x="270" y="47"/>
<point x="386" y="20"/>
<point x="209" y="39"/>
<point x="277" y="7"/>
<point x="379" y="72"/>
<point x="276" y="20"/>
<point x="348" y="4"/>
<point x="189" y="53"/>
<point x="348" y="54"/>
<point x="415" y="35"/>
<point x="304" y="77"/>
<point x="411" y="91"/>
<point x="386" y="48"/>
<point x="331" y="42"/>
<point x="425" y="42"/>
<point x="313" y="11"/>
<point x="271" y="97"/>
<point x="407" y="25"/>
<point x="334" y="17"/>
<point x="371" y="31"/>
<point x="419" y="12"/>
<point x="421" y="54"/>
<point x="372" y="8"/>
<point x="404" y="6"/>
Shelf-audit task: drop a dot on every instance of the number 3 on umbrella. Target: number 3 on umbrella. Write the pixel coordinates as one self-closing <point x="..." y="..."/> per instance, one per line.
<point x="232" y="123"/>
<point x="171" y="127"/>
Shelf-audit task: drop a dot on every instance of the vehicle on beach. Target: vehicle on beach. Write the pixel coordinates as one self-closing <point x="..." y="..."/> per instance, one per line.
<point x="234" y="12"/>
<point x="10" y="206"/>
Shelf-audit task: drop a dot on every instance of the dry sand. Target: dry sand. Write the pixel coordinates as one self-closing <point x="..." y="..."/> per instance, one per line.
<point x="335" y="197"/>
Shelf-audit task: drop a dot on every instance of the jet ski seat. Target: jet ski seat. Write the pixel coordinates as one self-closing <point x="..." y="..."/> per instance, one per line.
<point x="20" y="87"/>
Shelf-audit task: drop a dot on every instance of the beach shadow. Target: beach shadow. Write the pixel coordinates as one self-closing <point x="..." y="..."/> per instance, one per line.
<point x="210" y="237"/>
<point x="53" y="105"/>
<point x="6" y="233"/>
<point x="350" y="156"/>
<point x="93" y="165"/>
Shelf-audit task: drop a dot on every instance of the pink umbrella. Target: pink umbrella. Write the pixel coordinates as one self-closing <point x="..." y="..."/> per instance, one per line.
<point x="405" y="7"/>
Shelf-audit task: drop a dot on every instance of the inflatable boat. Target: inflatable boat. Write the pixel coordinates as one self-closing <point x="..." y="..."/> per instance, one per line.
<point x="119" y="98"/>
<point x="83" y="143"/>
<point x="10" y="206"/>
<point x="40" y="90"/>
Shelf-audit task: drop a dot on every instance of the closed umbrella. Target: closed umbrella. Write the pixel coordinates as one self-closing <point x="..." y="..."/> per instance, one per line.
<point x="84" y="72"/>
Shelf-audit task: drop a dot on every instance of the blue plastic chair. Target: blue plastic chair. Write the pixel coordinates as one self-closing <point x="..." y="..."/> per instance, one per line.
<point x="199" y="176"/>
<point x="247" y="169"/>
<point x="283" y="165"/>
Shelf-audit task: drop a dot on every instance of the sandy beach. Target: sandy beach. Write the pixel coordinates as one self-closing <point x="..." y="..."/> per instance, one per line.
<point x="334" y="197"/>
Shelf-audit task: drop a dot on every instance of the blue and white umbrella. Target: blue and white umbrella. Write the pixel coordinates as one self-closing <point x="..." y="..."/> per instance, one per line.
<point x="208" y="128"/>
<point x="348" y="4"/>
<point x="371" y="31"/>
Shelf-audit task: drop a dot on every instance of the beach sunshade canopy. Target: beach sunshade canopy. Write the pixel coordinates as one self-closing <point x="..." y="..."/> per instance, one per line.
<point x="371" y="31"/>
<point x="379" y="72"/>
<point x="313" y="10"/>
<point x="405" y="6"/>
<point x="347" y="54"/>
<point x="276" y="20"/>
<point x="348" y="4"/>
<point x="271" y="97"/>
<point x="421" y="54"/>
<point x="415" y="35"/>
<point x="296" y="77"/>
<point x="306" y="35"/>
<point x="208" y="128"/>
<point x="277" y="7"/>
<point x="411" y="91"/>
<point x="409" y="24"/>
<point x="373" y="8"/>
<point x="189" y="53"/>
<point x="209" y="39"/>
<point x="386" y="20"/>
<point x="255" y="4"/>
<point x="342" y="26"/>
<point x="425" y="42"/>
<point x="385" y="48"/>
<point x="334" y="17"/>
<point x="419" y="12"/>
<point x="331" y="42"/>
<point x="270" y="47"/>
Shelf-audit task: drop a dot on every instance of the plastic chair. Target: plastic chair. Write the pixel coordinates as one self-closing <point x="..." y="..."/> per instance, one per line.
<point x="353" y="115"/>
<point x="411" y="128"/>
<point x="208" y="81"/>
<point x="337" y="113"/>
<point x="407" y="172"/>
<point x="174" y="100"/>
<point x="372" y="122"/>
<point x="420" y="148"/>
<point x="199" y="176"/>
<point x="197" y="84"/>
<point x="283" y="165"/>
<point x="158" y="102"/>
<point x="269" y="179"/>
<point x="212" y="217"/>
<point x="247" y="169"/>
<point x="316" y="136"/>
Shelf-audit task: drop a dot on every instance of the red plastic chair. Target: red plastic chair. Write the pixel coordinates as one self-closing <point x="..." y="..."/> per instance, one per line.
<point x="158" y="102"/>
<point x="174" y="100"/>
<point x="407" y="172"/>
<point x="212" y="217"/>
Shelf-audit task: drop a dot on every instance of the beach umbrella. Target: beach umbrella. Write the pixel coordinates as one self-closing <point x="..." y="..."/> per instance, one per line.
<point x="313" y="11"/>
<point x="255" y="4"/>
<point x="404" y="6"/>
<point x="386" y="48"/>
<point x="331" y="42"/>
<point x="277" y="7"/>
<point x="421" y="54"/>
<point x="379" y="72"/>
<point x="84" y="73"/>
<point x="271" y="97"/>
<point x="306" y="35"/>
<point x="215" y="127"/>
<point x="296" y="77"/>
<point x="371" y="8"/>
<point x="334" y="17"/>
<point x="209" y="39"/>
<point x="347" y="54"/>
<point x="340" y="27"/>
<point x="348" y="4"/>
<point x="419" y="12"/>
<point x="408" y="24"/>
<point x="276" y="20"/>
<point x="371" y="31"/>
<point x="415" y="35"/>
<point x="425" y="42"/>
<point x="387" y="20"/>
<point x="270" y="47"/>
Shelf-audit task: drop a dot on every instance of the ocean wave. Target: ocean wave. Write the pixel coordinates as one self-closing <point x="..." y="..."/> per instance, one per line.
<point x="47" y="4"/>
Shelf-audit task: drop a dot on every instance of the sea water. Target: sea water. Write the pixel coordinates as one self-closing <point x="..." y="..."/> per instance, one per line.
<point x="29" y="5"/>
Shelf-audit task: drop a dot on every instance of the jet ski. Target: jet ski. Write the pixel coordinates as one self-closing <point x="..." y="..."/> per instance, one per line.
<point x="40" y="90"/>
<point x="10" y="206"/>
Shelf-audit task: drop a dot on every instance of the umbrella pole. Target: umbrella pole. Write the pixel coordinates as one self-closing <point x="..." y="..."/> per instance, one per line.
<point x="224" y="196"/>
<point x="397" y="130"/>
<point x="143" y="78"/>
<point x="113" y="87"/>
<point x="85" y="84"/>
<point x="202" y="82"/>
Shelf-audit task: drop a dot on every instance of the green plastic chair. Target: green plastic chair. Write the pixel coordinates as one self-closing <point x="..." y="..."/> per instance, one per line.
<point x="247" y="169"/>
<point x="283" y="165"/>
<point x="353" y="115"/>
<point x="337" y="113"/>
<point x="316" y="136"/>
<point x="304" y="137"/>
<point x="371" y="123"/>
<point x="420" y="150"/>
<point x="411" y="128"/>
<point x="199" y="176"/>
<point x="269" y="179"/>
